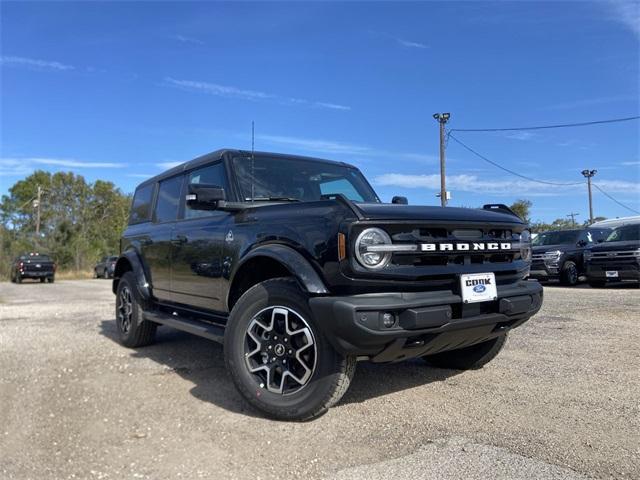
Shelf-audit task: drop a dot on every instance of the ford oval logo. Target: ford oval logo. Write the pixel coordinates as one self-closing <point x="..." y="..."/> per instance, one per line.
<point x="479" y="288"/>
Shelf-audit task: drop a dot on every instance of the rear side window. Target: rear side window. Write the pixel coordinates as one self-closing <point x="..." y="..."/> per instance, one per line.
<point x="168" y="200"/>
<point x="141" y="207"/>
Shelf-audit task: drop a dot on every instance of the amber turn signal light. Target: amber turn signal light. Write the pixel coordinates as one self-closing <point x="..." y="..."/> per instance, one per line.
<point x="342" y="247"/>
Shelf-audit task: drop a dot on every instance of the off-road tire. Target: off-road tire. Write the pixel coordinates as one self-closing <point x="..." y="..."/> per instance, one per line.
<point x="468" y="358"/>
<point x="51" y="279"/>
<point x="134" y="332"/>
<point x="569" y="274"/>
<point x="42" y="279"/>
<point x="331" y="375"/>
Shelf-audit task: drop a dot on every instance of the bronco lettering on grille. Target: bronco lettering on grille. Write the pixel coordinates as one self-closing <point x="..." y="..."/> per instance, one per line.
<point x="465" y="247"/>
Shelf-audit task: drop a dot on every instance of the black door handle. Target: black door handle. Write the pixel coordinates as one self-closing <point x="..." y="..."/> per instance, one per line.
<point x="179" y="240"/>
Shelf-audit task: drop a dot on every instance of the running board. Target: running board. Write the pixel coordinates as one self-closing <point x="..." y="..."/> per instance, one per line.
<point x="195" y="327"/>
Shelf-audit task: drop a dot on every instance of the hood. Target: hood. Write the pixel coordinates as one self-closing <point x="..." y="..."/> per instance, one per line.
<point x="550" y="248"/>
<point x="608" y="246"/>
<point x="391" y="211"/>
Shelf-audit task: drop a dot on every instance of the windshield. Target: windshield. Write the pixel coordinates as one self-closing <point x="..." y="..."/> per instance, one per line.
<point x="625" y="234"/>
<point x="299" y="179"/>
<point x="556" y="238"/>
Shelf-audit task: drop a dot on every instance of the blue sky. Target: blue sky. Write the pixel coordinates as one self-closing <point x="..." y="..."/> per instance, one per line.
<point x="120" y="91"/>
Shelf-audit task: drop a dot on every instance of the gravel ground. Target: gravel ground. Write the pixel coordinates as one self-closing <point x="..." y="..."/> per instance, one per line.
<point x="561" y="401"/>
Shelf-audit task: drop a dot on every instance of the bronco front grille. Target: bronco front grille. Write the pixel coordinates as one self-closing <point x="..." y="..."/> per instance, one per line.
<point x="401" y="234"/>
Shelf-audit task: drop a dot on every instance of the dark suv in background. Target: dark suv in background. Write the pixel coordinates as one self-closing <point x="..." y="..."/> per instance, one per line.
<point x="105" y="267"/>
<point x="300" y="270"/>
<point x="616" y="259"/>
<point x="558" y="254"/>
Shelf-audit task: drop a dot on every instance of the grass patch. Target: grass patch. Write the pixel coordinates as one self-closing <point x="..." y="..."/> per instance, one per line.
<point x="74" y="274"/>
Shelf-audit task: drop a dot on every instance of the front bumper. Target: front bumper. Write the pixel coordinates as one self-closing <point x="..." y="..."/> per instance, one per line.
<point x="542" y="271"/>
<point x="626" y="271"/>
<point x="424" y="322"/>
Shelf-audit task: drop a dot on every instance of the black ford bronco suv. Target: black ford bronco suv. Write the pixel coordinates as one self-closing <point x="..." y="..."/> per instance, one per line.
<point x="300" y="270"/>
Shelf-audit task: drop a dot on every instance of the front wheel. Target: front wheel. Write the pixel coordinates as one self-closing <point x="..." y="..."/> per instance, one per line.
<point x="569" y="274"/>
<point x="279" y="359"/>
<point x="469" y="358"/>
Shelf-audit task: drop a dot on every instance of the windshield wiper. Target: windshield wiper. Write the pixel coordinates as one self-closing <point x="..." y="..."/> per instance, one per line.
<point x="272" y="199"/>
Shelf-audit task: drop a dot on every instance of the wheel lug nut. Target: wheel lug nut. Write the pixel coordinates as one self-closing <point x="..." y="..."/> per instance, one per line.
<point x="290" y="352"/>
<point x="275" y="338"/>
<point x="270" y="347"/>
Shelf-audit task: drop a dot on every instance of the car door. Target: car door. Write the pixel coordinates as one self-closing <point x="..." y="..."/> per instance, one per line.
<point x="158" y="249"/>
<point x="198" y="243"/>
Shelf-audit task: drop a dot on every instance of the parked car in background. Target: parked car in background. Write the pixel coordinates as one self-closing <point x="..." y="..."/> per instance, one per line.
<point x="105" y="267"/>
<point x="616" y="259"/>
<point x="617" y="222"/>
<point x="558" y="254"/>
<point x="33" y="265"/>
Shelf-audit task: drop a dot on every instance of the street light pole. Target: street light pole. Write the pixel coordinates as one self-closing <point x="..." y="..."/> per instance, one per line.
<point x="588" y="174"/>
<point x="442" y="119"/>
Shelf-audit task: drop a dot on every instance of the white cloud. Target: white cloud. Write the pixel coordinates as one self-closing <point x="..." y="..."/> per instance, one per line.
<point x="185" y="39"/>
<point x="410" y="44"/>
<point x="18" y="166"/>
<point x="520" y="135"/>
<point x="333" y="147"/>
<point x="626" y="12"/>
<point x="333" y="106"/>
<point x="34" y="63"/>
<point x="472" y="183"/>
<point x="228" y="91"/>
<point x="168" y="165"/>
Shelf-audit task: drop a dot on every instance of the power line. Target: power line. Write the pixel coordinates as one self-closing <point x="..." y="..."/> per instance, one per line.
<point x="506" y="169"/>
<point x="562" y="125"/>
<point x="611" y="198"/>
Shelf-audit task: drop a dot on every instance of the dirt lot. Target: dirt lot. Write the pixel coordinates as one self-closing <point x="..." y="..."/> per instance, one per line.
<point x="561" y="401"/>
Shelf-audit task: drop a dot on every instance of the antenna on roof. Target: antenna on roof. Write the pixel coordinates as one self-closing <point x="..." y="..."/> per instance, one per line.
<point x="252" y="160"/>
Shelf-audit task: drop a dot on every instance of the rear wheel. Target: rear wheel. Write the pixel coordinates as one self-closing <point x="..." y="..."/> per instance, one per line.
<point x="569" y="274"/>
<point x="278" y="358"/>
<point x="50" y="279"/>
<point x="469" y="358"/>
<point x="133" y="330"/>
<point x="42" y="279"/>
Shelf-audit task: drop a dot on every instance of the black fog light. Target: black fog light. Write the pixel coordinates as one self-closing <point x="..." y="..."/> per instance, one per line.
<point x="388" y="320"/>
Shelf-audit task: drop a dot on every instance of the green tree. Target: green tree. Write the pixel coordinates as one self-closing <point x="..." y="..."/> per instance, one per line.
<point x="522" y="208"/>
<point x="79" y="221"/>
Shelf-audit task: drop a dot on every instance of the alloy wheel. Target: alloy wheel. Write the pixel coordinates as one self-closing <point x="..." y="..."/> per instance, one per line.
<point x="125" y="309"/>
<point x="280" y="350"/>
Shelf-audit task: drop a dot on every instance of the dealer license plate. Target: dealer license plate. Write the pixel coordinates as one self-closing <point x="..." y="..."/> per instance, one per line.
<point x="478" y="287"/>
<point x="611" y="273"/>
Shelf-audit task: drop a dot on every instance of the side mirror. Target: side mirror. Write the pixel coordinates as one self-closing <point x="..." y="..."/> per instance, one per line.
<point x="203" y="196"/>
<point x="400" y="200"/>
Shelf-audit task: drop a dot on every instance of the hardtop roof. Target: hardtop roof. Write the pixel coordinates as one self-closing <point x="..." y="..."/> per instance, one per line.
<point x="229" y="153"/>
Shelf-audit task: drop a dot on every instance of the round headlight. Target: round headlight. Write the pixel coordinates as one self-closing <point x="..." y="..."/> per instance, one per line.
<point x="525" y="245"/>
<point x="365" y="248"/>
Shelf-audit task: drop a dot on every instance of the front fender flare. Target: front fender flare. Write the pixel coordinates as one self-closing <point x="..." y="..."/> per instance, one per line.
<point x="294" y="262"/>
<point x="142" y="285"/>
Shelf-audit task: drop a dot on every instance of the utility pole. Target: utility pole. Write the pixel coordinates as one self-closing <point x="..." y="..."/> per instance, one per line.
<point x="37" y="205"/>
<point x="573" y="218"/>
<point x="442" y="119"/>
<point x="588" y="174"/>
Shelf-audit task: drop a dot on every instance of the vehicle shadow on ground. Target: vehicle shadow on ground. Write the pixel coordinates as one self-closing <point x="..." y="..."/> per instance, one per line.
<point x="201" y="362"/>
